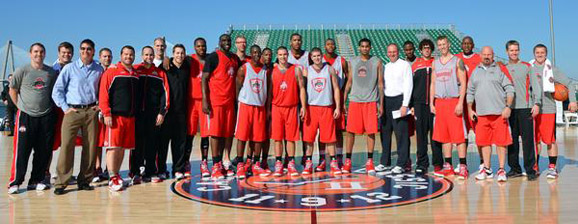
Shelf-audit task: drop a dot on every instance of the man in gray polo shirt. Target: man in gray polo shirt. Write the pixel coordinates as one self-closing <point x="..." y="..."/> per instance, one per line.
<point x="30" y="89"/>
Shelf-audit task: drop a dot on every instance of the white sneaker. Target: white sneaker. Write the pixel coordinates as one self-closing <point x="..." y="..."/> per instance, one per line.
<point x="502" y="176"/>
<point x="552" y="173"/>
<point x="96" y="179"/>
<point x="13" y="189"/>
<point x="397" y="170"/>
<point x="41" y="187"/>
<point x="481" y="175"/>
<point x="179" y="175"/>
<point x="380" y="168"/>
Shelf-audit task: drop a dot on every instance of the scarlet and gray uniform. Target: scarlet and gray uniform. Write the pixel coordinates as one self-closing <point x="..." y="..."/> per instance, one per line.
<point x="422" y="69"/>
<point x="252" y="117"/>
<point x="320" y="104"/>
<point x="303" y="60"/>
<point x="35" y="121"/>
<point x="154" y="88"/>
<point x="528" y="93"/>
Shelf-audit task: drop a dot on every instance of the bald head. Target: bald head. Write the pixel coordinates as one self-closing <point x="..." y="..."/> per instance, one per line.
<point x="487" y="55"/>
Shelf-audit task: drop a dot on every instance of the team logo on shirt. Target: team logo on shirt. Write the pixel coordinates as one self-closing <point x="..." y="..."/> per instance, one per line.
<point x="319" y="84"/>
<point x="39" y="83"/>
<point x="283" y="86"/>
<point x="256" y="85"/>
<point x="231" y="71"/>
<point x="362" y="71"/>
<point x="551" y="79"/>
<point x="22" y="129"/>
<point x="320" y="191"/>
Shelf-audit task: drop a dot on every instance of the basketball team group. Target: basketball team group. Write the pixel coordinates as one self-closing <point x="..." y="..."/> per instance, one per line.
<point x="315" y="96"/>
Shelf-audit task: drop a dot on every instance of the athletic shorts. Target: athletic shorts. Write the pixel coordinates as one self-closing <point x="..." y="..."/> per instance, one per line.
<point x="101" y="134"/>
<point x="470" y="124"/>
<point x="251" y="123"/>
<point x="221" y="122"/>
<point x="362" y="118"/>
<point x="285" y="123"/>
<point x="121" y="134"/>
<point x="545" y="128"/>
<point x="492" y="129"/>
<point x="196" y="118"/>
<point x="448" y="128"/>
<point x="319" y="118"/>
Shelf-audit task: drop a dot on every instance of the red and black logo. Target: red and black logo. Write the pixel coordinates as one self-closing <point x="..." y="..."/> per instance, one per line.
<point x="320" y="191"/>
<point x="39" y="83"/>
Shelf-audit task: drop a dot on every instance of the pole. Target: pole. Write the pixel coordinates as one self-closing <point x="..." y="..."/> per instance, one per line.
<point x="552" y="34"/>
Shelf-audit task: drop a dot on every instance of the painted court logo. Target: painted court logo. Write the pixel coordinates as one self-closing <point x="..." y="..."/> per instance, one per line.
<point x="321" y="191"/>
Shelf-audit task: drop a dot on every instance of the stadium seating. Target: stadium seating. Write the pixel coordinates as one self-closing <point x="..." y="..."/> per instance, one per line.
<point x="316" y="38"/>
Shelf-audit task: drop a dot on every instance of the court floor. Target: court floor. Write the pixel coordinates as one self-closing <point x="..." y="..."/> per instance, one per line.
<point x="469" y="201"/>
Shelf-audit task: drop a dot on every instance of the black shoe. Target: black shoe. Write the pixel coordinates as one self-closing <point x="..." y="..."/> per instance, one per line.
<point x="532" y="177"/>
<point x="420" y="171"/>
<point x="59" y="191"/>
<point x="85" y="187"/>
<point x="514" y="174"/>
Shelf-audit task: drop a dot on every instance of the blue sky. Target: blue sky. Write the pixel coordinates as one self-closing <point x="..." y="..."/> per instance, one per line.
<point x="116" y="23"/>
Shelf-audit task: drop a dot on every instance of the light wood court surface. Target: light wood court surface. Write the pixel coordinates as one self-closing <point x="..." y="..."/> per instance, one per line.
<point x="516" y="201"/>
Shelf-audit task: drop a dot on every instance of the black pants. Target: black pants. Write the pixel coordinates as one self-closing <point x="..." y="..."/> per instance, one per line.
<point x="10" y="115"/>
<point x="398" y="126"/>
<point x="33" y="133"/>
<point x="424" y="130"/>
<point x="522" y="124"/>
<point x="146" y="150"/>
<point x="174" y="130"/>
<point x="189" y="147"/>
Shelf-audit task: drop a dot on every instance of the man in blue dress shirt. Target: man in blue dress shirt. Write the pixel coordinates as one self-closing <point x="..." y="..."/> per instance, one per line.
<point x="76" y="93"/>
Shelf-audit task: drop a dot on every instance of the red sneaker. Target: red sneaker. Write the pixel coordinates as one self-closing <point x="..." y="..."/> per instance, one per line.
<point x="334" y="167"/>
<point x="278" y="169"/>
<point x="291" y="170"/>
<point x="463" y="174"/>
<point x="205" y="169"/>
<point x="448" y="170"/>
<point x="248" y="165"/>
<point x="217" y="173"/>
<point x="308" y="168"/>
<point x="241" y="170"/>
<point x="321" y="167"/>
<point x="437" y="168"/>
<point x="346" y="166"/>
<point x="369" y="167"/>
<point x="258" y="171"/>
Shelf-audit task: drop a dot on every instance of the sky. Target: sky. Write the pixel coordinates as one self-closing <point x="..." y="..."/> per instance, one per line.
<point x="116" y="23"/>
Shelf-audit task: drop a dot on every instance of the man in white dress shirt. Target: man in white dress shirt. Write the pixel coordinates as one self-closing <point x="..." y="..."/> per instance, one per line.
<point x="398" y="80"/>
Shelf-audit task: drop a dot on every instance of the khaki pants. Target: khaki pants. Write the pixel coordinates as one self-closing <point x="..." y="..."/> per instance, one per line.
<point x="87" y="121"/>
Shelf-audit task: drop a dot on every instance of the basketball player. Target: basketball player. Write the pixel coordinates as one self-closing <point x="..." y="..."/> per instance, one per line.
<point x="422" y="69"/>
<point x="218" y="84"/>
<point x="196" y="118"/>
<point x="409" y="50"/>
<point x="340" y="65"/>
<point x="241" y="44"/>
<point x="119" y="92"/>
<point x="365" y="81"/>
<point x="546" y="120"/>
<point x="266" y="59"/>
<point x="323" y="109"/>
<point x="471" y="60"/>
<point x="300" y="57"/>
<point x="526" y="107"/>
<point x="288" y="91"/>
<point x="152" y="109"/>
<point x="448" y="89"/>
<point x="493" y="93"/>
<point x="252" y="91"/>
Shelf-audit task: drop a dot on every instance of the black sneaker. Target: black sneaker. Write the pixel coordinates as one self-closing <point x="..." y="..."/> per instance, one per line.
<point x="532" y="177"/>
<point x="514" y="174"/>
<point x="420" y="171"/>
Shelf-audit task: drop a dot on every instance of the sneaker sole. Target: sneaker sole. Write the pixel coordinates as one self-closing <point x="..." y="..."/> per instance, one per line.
<point x="551" y="177"/>
<point x="371" y="172"/>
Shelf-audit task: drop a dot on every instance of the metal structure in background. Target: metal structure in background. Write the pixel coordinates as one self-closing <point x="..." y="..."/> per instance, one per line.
<point x="552" y="39"/>
<point x="9" y="56"/>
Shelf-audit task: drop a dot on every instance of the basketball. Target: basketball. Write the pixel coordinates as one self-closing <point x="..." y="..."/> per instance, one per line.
<point x="560" y="93"/>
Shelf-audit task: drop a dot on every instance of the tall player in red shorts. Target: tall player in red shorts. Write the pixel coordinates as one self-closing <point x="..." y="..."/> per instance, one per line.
<point x="493" y="93"/>
<point x="365" y="81"/>
<point x="252" y="91"/>
<point x="471" y="60"/>
<point x="196" y="117"/>
<point x="117" y="101"/>
<point x="323" y="108"/>
<point x="340" y="65"/>
<point x="448" y="90"/>
<point x="218" y="84"/>
<point x="288" y="91"/>
<point x="266" y="59"/>
<point x="546" y="120"/>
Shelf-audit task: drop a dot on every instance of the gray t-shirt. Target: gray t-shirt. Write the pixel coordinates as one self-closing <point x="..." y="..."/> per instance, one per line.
<point x="548" y="102"/>
<point x="364" y="80"/>
<point x="35" y="89"/>
<point x="528" y="90"/>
